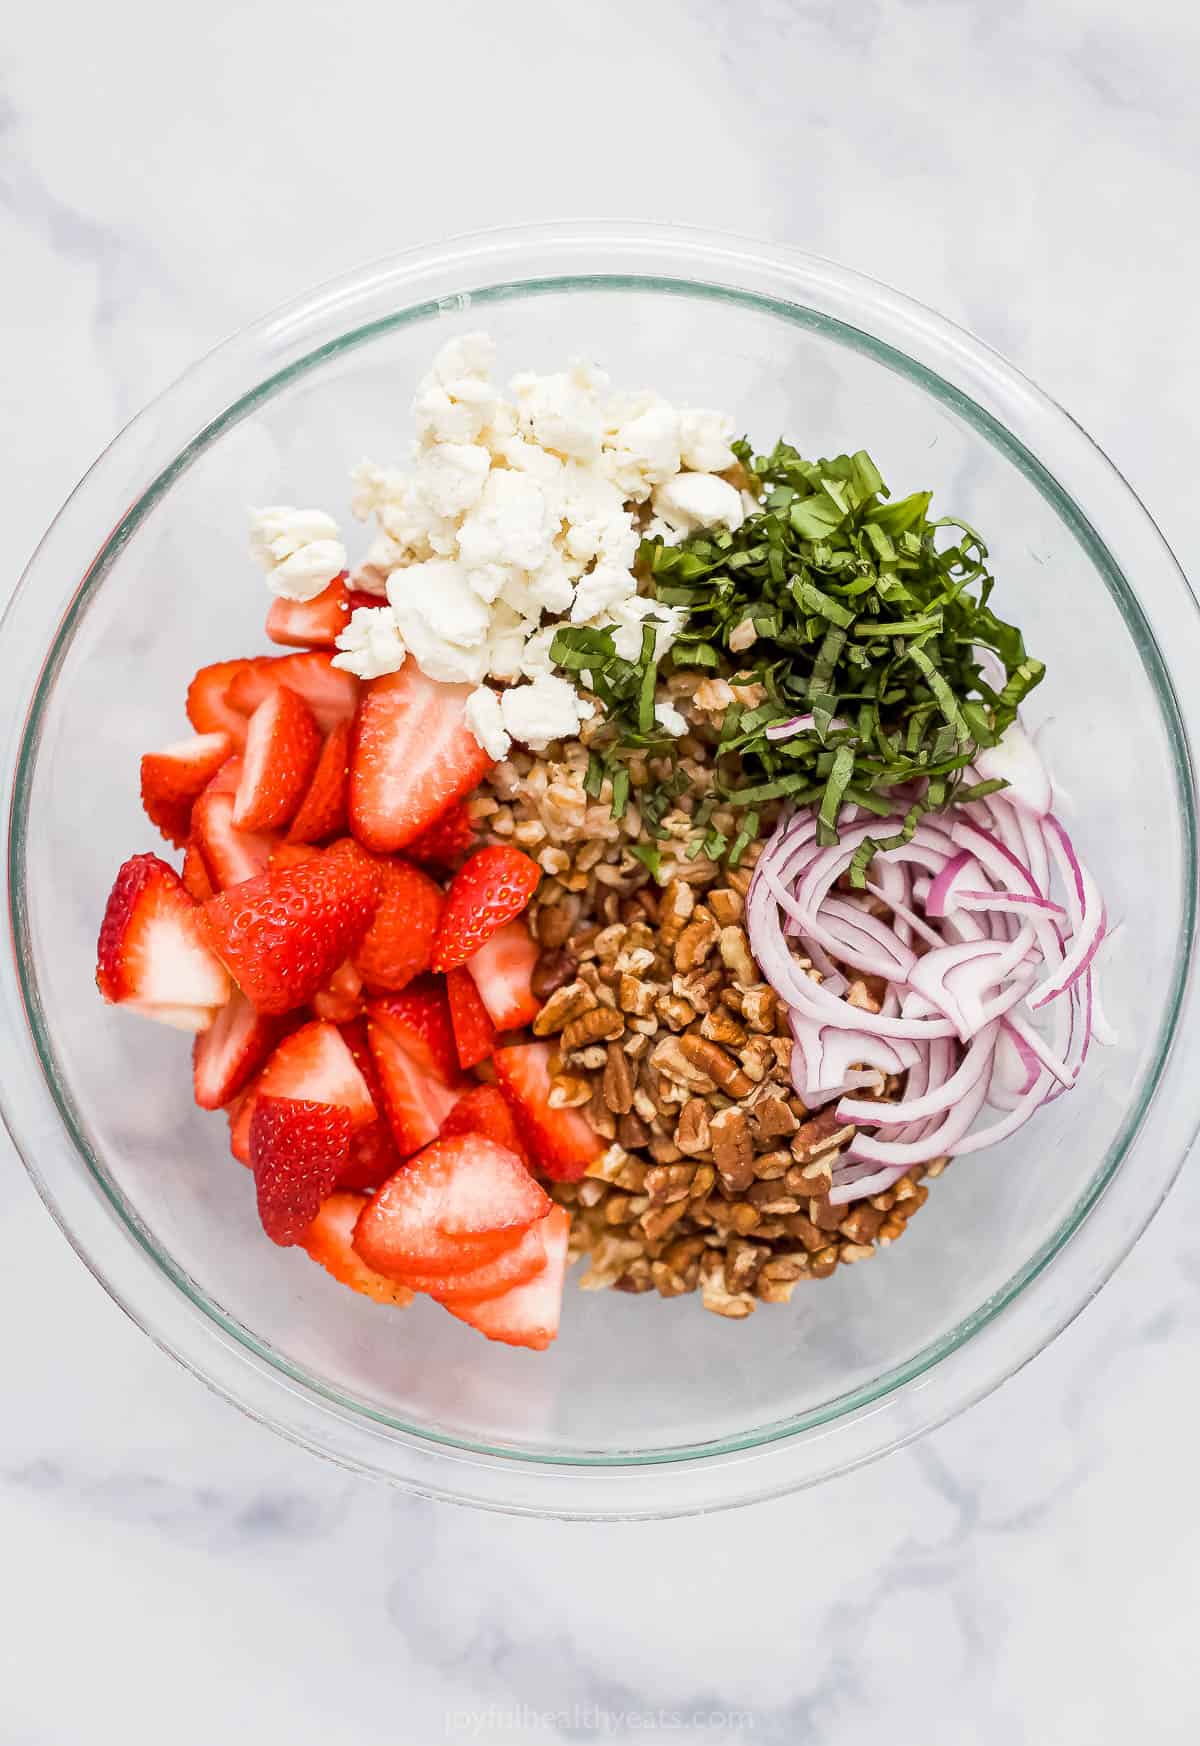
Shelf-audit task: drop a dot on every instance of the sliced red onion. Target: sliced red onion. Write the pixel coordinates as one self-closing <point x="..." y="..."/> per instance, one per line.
<point x="974" y="1065"/>
<point x="1008" y="902"/>
<point x="942" y="1138"/>
<point x="963" y="869"/>
<point x="1086" y="910"/>
<point x="799" y="724"/>
<point x="1017" y="761"/>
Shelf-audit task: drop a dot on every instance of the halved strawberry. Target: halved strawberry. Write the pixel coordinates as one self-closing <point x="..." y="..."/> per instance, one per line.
<point x="399" y="942"/>
<point x="458" y="1203"/>
<point x="483" y="1110"/>
<point x="341" y="998"/>
<point x="526" y="1315"/>
<point x="314" y="1065"/>
<point x="373" y="1154"/>
<point x="442" y="843"/>
<point x="328" y="1243"/>
<point x="283" y="744"/>
<point x="152" y="953"/>
<point x="486" y="893"/>
<point x="414" y="756"/>
<point x="297" y="1149"/>
<point x="208" y="706"/>
<point x="561" y="1143"/>
<point x="502" y="971"/>
<point x="474" y="1032"/>
<point x="415" y="1100"/>
<point x="231" y="1051"/>
<point x="515" y="1266"/>
<point x="285" y="855"/>
<point x="330" y="693"/>
<point x="175" y="777"/>
<point x="230" y="856"/>
<point x="194" y="875"/>
<point x="316" y="623"/>
<point x="322" y="812"/>
<point x="419" y="1019"/>
<point x="282" y="935"/>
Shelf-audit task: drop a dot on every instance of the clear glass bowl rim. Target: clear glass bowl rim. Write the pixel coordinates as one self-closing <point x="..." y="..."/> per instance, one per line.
<point x="139" y="467"/>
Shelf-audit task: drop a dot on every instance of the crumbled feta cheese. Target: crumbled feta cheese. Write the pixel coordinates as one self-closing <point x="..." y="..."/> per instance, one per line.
<point x="535" y="656"/>
<point x="506" y="643"/>
<point x="669" y="719"/>
<point x="600" y="590"/>
<point x="704" y="440"/>
<point x="298" y="548"/>
<point x="694" y="500"/>
<point x="371" y="644"/>
<point x="450" y="476"/>
<point x="626" y="621"/>
<point x="437" y="591"/>
<point x="546" y="709"/>
<point x="484" y="718"/>
<point x="645" y="452"/>
<point x="562" y="412"/>
<point x="510" y="524"/>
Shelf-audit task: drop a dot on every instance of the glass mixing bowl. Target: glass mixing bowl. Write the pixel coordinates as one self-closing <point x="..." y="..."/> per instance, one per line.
<point x="643" y="1407"/>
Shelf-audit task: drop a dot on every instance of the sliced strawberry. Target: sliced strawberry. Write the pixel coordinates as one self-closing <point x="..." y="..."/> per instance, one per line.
<point x="241" y="1113"/>
<point x="399" y="942"/>
<point x="328" y="1243"/>
<point x="282" y="935"/>
<point x="175" y="777"/>
<point x="231" y="1051"/>
<point x="502" y="971"/>
<point x="413" y="757"/>
<point x="341" y="998"/>
<point x="526" y="1315"/>
<point x="474" y="1032"/>
<point x="208" y="707"/>
<point x="230" y="856"/>
<point x="228" y="776"/>
<point x="561" y="1143"/>
<point x="194" y="875"/>
<point x="284" y="855"/>
<point x="331" y="694"/>
<point x="419" y="1019"/>
<point x="458" y="1203"/>
<point x="314" y="1065"/>
<point x="484" y="1111"/>
<point x="297" y="1149"/>
<point x="373" y="1154"/>
<point x="316" y="623"/>
<point x="360" y="597"/>
<point x="486" y="893"/>
<point x="322" y="812"/>
<point x="415" y="1100"/>
<point x="152" y="952"/>
<point x="514" y="1266"/>
<point x="444" y="841"/>
<point x="283" y="744"/>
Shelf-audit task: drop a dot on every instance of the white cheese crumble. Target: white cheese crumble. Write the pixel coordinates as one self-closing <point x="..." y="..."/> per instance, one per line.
<point x="371" y="644"/>
<point x="298" y="548"/>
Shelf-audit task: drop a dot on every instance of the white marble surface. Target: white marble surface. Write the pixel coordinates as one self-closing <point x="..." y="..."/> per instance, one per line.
<point x="172" y="1571"/>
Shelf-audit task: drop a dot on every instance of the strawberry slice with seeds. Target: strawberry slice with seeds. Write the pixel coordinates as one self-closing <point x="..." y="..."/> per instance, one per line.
<point x="208" y="707"/>
<point x="176" y="777"/>
<point x="486" y="893"/>
<point x="561" y="1143"/>
<point x="282" y="935"/>
<point x="328" y="1242"/>
<point x="230" y="856"/>
<point x="399" y="942"/>
<point x="331" y="694"/>
<point x="474" y="1032"/>
<point x="484" y="1111"/>
<point x="283" y="745"/>
<point x="194" y="875"/>
<point x="373" y="1154"/>
<point x="415" y="1101"/>
<point x="231" y="1051"/>
<point x="515" y="1266"/>
<point x="240" y="1112"/>
<point x="229" y="776"/>
<point x="322" y="812"/>
<point x="442" y="844"/>
<point x="311" y="624"/>
<point x="341" y="998"/>
<point x="526" y="1315"/>
<point x="152" y="953"/>
<point x="502" y="971"/>
<point x="419" y="1019"/>
<point x="457" y="1204"/>
<point x="297" y="1149"/>
<point x="315" y="1065"/>
<point x="414" y="756"/>
<point x="285" y="855"/>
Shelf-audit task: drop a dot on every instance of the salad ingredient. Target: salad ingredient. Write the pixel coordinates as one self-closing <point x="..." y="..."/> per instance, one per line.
<point x="373" y="1154"/>
<point x="419" y="1020"/>
<point x="282" y="935"/>
<point x="441" y="844"/>
<point x="502" y="971"/>
<point x="311" y="624"/>
<point x="297" y="1151"/>
<point x="323" y="811"/>
<point x="416" y="1099"/>
<point x="231" y="1051"/>
<point x="526" y="1315"/>
<point x="152" y="954"/>
<point x="484" y="1111"/>
<point x="489" y="890"/>
<point x="332" y="696"/>
<point x="474" y="1032"/>
<point x="329" y="1242"/>
<point x="399" y="943"/>
<point x="413" y="757"/>
<point x="229" y="855"/>
<point x="314" y="1065"/>
<point x="208" y="708"/>
<point x="174" y="779"/>
<point x="515" y="1265"/>
<point x="298" y="548"/>
<point x="283" y="745"/>
<point x="560" y="1142"/>
<point x="692" y="501"/>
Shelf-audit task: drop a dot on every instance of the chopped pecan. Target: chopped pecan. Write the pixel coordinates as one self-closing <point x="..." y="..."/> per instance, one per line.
<point x="760" y="1008"/>
<point x="772" y="1117"/>
<point x="821" y="1133"/>
<point x="757" y="1059"/>
<point x="600" y="1025"/>
<point x="656" y="1221"/>
<point x="727" y="905"/>
<point x="732" y="1148"/>
<point x="632" y="1131"/>
<point x="668" y="1057"/>
<point x="564" y="1005"/>
<point x="742" y="1263"/>
<point x="720" y="1026"/>
<point x="696" y="941"/>
<point x="618" y="1081"/>
<point x="635" y="996"/>
<point x="674" y="1011"/>
<point x="569" y="1091"/>
<point x="862" y="1225"/>
<point x="713" y="1293"/>
<point x="735" y="955"/>
<point x="716" y="1064"/>
<point x="674" y="910"/>
<point x="692" y="1134"/>
<point x="850" y="1252"/>
<point x="823" y="1262"/>
<point x="553" y="970"/>
<point x="824" y="1216"/>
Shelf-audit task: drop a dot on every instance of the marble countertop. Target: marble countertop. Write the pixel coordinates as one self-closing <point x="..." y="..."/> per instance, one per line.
<point x="1027" y="1574"/>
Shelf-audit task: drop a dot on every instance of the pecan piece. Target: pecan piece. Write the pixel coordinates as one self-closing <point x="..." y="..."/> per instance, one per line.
<point x="735" y="955"/>
<point x="692" y="1134"/>
<point x="733" y="1149"/>
<point x="696" y="941"/>
<point x="674" y="910"/>
<point x="564" y="1005"/>
<point x="714" y="1061"/>
<point x="552" y="971"/>
<point x="600" y="1025"/>
<point x="669" y="1058"/>
<point x="618" y="1081"/>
